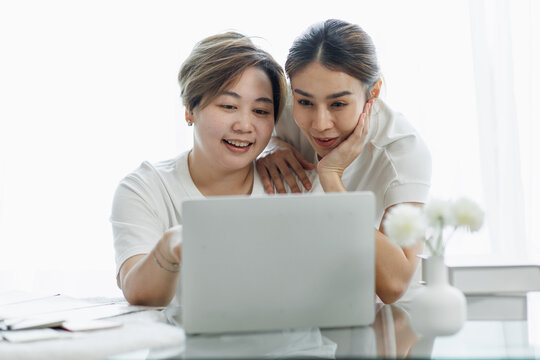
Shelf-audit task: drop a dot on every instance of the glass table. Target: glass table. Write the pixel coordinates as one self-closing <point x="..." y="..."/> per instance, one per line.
<point x="391" y="336"/>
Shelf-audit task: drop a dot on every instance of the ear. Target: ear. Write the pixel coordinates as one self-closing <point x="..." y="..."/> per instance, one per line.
<point x="376" y="89"/>
<point x="189" y="117"/>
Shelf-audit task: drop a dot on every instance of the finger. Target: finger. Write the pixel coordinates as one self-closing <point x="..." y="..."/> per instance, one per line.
<point x="271" y="172"/>
<point x="364" y="123"/>
<point x="265" y="178"/>
<point x="371" y="103"/>
<point x="302" y="160"/>
<point x="358" y="133"/>
<point x="302" y="176"/>
<point x="290" y="179"/>
<point x="276" y="178"/>
<point x="364" y="131"/>
<point x="367" y="124"/>
<point x="366" y="107"/>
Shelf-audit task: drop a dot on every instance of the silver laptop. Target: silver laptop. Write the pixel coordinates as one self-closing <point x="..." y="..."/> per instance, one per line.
<point x="278" y="262"/>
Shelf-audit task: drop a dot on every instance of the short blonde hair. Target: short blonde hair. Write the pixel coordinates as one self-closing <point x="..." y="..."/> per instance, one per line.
<point x="217" y="61"/>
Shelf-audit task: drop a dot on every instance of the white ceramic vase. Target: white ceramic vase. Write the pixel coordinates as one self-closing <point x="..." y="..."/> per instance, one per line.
<point x="439" y="308"/>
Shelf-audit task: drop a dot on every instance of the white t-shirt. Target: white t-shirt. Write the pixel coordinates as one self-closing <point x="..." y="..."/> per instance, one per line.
<point x="148" y="202"/>
<point x="394" y="163"/>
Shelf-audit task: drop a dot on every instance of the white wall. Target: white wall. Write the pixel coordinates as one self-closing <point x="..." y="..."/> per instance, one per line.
<point x="88" y="91"/>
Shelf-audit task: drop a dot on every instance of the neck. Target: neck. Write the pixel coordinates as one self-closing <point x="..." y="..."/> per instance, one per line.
<point x="212" y="180"/>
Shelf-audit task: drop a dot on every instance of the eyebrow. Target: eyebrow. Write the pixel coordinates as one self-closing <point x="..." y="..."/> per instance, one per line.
<point x="261" y="99"/>
<point x="332" y="96"/>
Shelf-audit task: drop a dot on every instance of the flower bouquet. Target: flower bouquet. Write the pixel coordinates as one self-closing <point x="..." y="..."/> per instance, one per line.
<point x="434" y="224"/>
<point x="438" y="308"/>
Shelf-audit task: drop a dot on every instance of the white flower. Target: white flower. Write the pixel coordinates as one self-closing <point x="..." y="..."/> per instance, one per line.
<point x="434" y="224"/>
<point x="438" y="213"/>
<point x="467" y="213"/>
<point x="405" y="224"/>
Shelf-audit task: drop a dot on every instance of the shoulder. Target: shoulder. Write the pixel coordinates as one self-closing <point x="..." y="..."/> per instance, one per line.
<point x="395" y="135"/>
<point x="391" y="126"/>
<point x="151" y="176"/>
<point x="404" y="154"/>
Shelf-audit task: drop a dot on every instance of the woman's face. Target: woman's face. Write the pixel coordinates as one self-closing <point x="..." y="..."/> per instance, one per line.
<point x="327" y="105"/>
<point x="236" y="126"/>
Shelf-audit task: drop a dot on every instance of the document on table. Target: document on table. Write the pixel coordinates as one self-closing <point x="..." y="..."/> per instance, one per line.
<point x="34" y="335"/>
<point x="31" y="311"/>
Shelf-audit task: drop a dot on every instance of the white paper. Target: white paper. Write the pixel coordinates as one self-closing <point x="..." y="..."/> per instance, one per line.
<point x="42" y="306"/>
<point x="34" y="335"/>
<point x="57" y="318"/>
<point x="13" y="297"/>
<point x="87" y="325"/>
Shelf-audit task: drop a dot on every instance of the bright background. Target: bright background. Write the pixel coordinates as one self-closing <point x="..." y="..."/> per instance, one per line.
<point x="88" y="91"/>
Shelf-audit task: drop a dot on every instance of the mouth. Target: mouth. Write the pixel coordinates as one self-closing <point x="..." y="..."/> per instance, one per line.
<point x="325" y="142"/>
<point x="237" y="145"/>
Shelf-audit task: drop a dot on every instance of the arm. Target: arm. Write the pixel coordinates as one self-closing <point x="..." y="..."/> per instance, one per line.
<point x="151" y="279"/>
<point x="394" y="266"/>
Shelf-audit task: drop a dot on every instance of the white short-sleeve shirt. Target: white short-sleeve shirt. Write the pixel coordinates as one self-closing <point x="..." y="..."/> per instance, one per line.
<point x="148" y="202"/>
<point x="395" y="163"/>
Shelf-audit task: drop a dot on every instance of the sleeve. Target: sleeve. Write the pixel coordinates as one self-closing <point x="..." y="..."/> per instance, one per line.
<point x="411" y="160"/>
<point x="135" y="222"/>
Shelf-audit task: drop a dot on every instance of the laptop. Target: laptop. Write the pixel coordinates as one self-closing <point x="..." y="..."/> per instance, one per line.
<point x="277" y="262"/>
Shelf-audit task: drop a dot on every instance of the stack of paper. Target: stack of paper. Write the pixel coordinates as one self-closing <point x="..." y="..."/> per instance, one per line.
<point x="24" y="311"/>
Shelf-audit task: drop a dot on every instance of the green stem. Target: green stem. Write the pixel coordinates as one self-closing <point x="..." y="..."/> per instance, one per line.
<point x="431" y="249"/>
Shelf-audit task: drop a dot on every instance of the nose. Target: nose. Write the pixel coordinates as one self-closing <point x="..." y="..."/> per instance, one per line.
<point x="243" y="122"/>
<point x="322" y="120"/>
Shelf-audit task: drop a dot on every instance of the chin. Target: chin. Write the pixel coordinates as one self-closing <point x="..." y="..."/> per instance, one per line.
<point x="321" y="152"/>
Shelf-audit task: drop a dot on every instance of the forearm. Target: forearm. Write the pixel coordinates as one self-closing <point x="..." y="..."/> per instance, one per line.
<point x="394" y="267"/>
<point x="146" y="283"/>
<point x="151" y="279"/>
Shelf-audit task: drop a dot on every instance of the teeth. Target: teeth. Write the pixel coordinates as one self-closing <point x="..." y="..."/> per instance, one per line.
<point x="238" y="143"/>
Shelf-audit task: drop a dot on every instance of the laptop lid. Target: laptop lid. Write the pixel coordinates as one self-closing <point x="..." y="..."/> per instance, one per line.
<point x="276" y="262"/>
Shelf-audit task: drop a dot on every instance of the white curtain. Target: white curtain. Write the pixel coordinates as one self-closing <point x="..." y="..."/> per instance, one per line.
<point x="505" y="55"/>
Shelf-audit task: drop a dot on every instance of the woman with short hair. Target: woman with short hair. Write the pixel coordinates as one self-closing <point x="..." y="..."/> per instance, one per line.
<point x="233" y="93"/>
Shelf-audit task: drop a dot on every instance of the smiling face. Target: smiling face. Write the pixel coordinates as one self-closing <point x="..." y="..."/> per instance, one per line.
<point x="327" y="105"/>
<point x="235" y="127"/>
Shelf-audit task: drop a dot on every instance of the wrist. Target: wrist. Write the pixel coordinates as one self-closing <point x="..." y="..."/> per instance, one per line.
<point x="331" y="181"/>
<point x="162" y="262"/>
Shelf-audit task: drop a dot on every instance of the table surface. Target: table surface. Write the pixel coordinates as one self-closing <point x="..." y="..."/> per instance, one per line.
<point x="391" y="336"/>
<point x="150" y="335"/>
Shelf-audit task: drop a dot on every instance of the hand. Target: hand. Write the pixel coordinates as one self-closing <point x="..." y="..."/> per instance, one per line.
<point x="173" y="240"/>
<point x="337" y="160"/>
<point x="279" y="158"/>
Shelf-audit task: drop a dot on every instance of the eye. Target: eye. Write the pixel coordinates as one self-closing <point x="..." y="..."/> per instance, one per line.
<point x="304" y="102"/>
<point x="227" y="107"/>
<point x="339" y="104"/>
<point x="261" y="112"/>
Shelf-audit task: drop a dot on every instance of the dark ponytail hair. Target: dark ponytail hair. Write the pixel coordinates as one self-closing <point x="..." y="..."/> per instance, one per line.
<point x="339" y="46"/>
